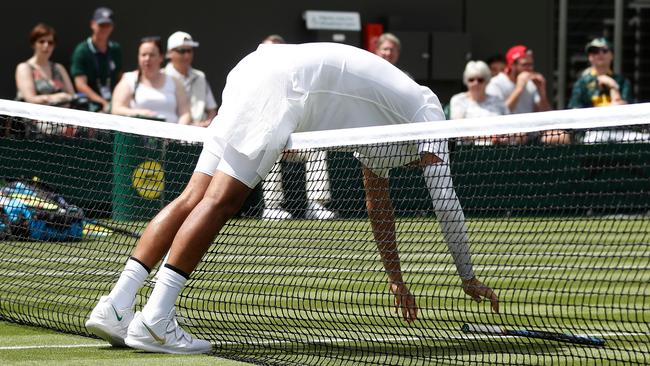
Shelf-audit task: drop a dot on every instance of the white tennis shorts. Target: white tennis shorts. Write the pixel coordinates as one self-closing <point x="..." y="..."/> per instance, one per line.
<point x="232" y="163"/>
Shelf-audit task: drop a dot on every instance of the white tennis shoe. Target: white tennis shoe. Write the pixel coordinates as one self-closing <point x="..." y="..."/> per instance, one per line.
<point x="316" y="211"/>
<point x="276" y="214"/>
<point x="163" y="336"/>
<point x="109" y="323"/>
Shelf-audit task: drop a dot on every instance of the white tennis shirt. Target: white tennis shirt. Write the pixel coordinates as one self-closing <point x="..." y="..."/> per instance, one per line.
<point x="280" y="89"/>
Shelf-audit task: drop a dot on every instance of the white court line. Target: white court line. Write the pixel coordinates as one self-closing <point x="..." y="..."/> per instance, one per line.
<point x="12" y="348"/>
<point x="225" y="258"/>
<point x="296" y="270"/>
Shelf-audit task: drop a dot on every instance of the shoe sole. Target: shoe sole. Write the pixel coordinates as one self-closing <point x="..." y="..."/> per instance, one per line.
<point x="320" y="217"/>
<point x="156" y="348"/>
<point x="105" y="333"/>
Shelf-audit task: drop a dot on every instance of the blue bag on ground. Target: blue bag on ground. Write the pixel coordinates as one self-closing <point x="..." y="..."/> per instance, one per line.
<point x="30" y="212"/>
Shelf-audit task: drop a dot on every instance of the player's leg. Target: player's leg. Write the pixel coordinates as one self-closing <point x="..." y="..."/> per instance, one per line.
<point x="223" y="199"/>
<point x="317" y="186"/>
<point x="161" y="230"/>
<point x="273" y="195"/>
<point x="111" y="317"/>
<point x="155" y="329"/>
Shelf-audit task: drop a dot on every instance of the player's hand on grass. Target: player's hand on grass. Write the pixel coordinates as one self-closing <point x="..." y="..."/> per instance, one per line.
<point x="478" y="291"/>
<point x="404" y="301"/>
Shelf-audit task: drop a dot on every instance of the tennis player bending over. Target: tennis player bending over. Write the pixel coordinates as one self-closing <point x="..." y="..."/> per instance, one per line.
<point x="273" y="92"/>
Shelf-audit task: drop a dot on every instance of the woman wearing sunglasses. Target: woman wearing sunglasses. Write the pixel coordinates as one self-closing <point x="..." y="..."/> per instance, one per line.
<point x="40" y="80"/>
<point x="475" y="102"/>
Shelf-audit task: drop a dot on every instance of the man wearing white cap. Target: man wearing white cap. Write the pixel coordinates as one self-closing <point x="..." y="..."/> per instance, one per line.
<point x="180" y="52"/>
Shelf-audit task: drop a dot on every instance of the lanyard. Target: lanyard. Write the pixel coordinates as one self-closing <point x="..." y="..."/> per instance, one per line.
<point x="95" y="52"/>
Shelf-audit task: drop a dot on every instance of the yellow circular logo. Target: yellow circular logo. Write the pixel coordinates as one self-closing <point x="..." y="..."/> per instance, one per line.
<point x="148" y="179"/>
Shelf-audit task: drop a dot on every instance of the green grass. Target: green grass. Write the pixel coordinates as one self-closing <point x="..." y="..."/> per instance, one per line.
<point x="26" y="345"/>
<point x="307" y="292"/>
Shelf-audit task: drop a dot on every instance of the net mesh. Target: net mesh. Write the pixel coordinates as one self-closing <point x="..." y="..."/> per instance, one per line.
<point x="560" y="231"/>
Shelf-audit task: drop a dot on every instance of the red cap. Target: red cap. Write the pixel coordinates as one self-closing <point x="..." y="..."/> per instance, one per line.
<point x="515" y="53"/>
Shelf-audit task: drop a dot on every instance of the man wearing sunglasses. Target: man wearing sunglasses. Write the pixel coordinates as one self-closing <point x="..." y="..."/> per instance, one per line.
<point x="180" y="52"/>
<point x="599" y="85"/>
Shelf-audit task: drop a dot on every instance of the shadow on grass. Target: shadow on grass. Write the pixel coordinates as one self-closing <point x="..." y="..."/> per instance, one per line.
<point x="487" y="351"/>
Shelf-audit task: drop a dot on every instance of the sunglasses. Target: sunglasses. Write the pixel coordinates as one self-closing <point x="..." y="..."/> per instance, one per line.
<point x="183" y="51"/>
<point x="478" y="80"/>
<point x="595" y="51"/>
<point x="45" y="41"/>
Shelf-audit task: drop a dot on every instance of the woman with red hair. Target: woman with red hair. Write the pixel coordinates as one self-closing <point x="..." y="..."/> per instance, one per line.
<point x="40" y="80"/>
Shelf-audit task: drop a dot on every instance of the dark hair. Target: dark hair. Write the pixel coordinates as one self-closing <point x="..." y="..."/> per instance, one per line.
<point x="153" y="39"/>
<point x="41" y="30"/>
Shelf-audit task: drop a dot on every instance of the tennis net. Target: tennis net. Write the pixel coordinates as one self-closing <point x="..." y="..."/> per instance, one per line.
<point x="561" y="232"/>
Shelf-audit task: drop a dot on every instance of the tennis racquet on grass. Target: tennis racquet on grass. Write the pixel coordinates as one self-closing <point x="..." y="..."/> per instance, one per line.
<point x="553" y="336"/>
<point x="115" y="229"/>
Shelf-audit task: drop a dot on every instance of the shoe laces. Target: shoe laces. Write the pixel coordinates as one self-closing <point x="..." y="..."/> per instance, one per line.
<point x="178" y="331"/>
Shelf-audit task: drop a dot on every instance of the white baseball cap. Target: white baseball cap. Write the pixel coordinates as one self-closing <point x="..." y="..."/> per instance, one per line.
<point x="179" y="39"/>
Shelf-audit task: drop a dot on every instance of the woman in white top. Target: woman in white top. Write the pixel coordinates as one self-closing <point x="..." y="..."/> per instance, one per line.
<point x="475" y="102"/>
<point x="149" y="92"/>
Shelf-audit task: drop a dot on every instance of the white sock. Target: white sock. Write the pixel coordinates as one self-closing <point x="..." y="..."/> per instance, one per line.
<point x="128" y="285"/>
<point x="164" y="295"/>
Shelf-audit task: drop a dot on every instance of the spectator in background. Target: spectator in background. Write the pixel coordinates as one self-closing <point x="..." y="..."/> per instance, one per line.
<point x="39" y="79"/>
<point x="317" y="180"/>
<point x="524" y="91"/>
<point x="389" y="47"/>
<point x="42" y="81"/>
<point x="96" y="64"/>
<point x="180" y="52"/>
<point x="274" y="39"/>
<point x="497" y="64"/>
<point x="599" y="85"/>
<point x="475" y="102"/>
<point x="150" y="93"/>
